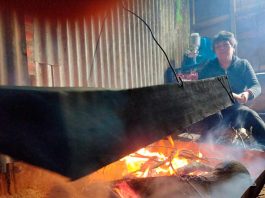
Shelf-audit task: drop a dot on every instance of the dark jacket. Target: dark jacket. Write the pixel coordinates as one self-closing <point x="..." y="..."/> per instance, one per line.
<point x="241" y="75"/>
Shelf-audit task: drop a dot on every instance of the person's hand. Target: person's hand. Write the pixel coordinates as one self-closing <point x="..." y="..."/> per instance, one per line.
<point x="242" y="97"/>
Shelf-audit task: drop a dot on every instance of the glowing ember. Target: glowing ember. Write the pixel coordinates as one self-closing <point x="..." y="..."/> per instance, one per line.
<point x="145" y="163"/>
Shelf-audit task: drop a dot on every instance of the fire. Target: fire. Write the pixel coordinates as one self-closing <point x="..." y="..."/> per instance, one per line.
<point x="144" y="163"/>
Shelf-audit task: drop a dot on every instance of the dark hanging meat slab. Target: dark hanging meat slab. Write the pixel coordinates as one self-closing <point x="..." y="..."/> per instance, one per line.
<point x="75" y="131"/>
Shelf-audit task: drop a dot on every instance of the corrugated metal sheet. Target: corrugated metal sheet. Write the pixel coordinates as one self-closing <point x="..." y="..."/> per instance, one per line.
<point x="13" y="60"/>
<point x="114" y="50"/>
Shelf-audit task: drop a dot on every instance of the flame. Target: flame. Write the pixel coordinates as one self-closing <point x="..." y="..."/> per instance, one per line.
<point x="145" y="163"/>
<point x="137" y="160"/>
<point x="170" y="139"/>
<point x="178" y="163"/>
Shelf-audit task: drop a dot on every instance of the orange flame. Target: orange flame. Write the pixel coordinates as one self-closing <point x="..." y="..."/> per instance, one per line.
<point x="145" y="163"/>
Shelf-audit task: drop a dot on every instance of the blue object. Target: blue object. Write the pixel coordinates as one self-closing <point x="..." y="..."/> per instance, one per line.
<point x="190" y="64"/>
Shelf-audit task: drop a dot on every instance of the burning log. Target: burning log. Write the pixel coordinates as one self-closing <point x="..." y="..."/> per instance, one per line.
<point x="193" y="167"/>
<point x="197" y="178"/>
<point x="144" y="163"/>
<point x="75" y="131"/>
<point x="227" y="179"/>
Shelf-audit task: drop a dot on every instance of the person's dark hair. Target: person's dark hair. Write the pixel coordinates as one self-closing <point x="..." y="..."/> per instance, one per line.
<point x="225" y="36"/>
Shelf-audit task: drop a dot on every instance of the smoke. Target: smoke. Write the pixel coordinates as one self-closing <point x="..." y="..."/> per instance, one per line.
<point x="250" y="156"/>
<point x="233" y="186"/>
<point x="231" y="131"/>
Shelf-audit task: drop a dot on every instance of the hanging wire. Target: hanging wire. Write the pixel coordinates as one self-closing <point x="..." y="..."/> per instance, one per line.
<point x="226" y="89"/>
<point x="97" y="46"/>
<point x="178" y="79"/>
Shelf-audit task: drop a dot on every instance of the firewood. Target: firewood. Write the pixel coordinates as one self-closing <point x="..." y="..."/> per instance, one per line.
<point x="188" y="154"/>
<point x="194" y="166"/>
<point x="227" y="179"/>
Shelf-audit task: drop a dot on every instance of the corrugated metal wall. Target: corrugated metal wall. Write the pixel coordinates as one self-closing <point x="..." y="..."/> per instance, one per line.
<point x="13" y="60"/>
<point x="114" y="50"/>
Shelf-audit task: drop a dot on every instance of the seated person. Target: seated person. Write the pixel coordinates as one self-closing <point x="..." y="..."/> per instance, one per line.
<point x="243" y="81"/>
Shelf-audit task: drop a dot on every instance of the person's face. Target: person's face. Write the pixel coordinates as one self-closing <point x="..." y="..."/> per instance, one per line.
<point x="224" y="50"/>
